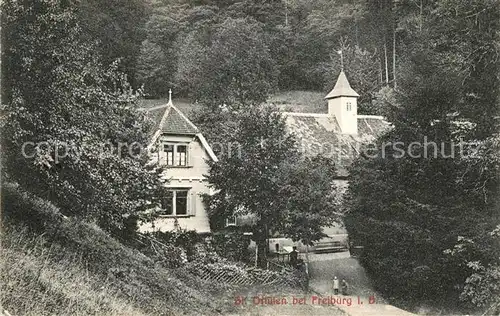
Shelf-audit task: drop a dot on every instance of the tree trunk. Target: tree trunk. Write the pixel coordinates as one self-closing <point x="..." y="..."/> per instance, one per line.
<point x="356" y="32"/>
<point x="261" y="241"/>
<point x="386" y="62"/>
<point x="286" y="13"/>
<point x="421" y="14"/>
<point x="394" y="57"/>
<point x="381" y="72"/>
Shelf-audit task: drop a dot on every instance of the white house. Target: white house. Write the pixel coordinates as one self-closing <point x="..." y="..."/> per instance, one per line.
<point x="181" y="150"/>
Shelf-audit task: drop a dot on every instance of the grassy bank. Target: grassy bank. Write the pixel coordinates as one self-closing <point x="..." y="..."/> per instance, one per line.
<point x="52" y="265"/>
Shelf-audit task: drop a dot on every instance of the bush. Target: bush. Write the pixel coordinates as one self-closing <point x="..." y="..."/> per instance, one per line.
<point x="184" y="239"/>
<point x="233" y="246"/>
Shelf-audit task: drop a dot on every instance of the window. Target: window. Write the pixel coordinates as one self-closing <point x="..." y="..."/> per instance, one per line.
<point x="348" y="106"/>
<point x="175" y="202"/>
<point x="182" y="155"/>
<point x="181" y="202"/>
<point x="169" y="154"/>
<point x="167" y="203"/>
<point x="175" y="154"/>
<point x="231" y="221"/>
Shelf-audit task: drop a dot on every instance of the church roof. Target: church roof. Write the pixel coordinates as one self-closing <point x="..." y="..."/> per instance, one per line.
<point x="342" y="88"/>
<point x="321" y="134"/>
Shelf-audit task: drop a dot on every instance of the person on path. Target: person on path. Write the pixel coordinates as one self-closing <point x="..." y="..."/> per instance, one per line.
<point x="335" y="285"/>
<point x="344" y="286"/>
<point x="294" y="255"/>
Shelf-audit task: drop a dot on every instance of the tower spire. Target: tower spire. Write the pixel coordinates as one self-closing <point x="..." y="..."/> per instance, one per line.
<point x="342" y="103"/>
<point x="169" y="97"/>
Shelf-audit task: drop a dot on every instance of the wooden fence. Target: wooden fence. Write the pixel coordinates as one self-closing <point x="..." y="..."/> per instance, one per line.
<point x="247" y="275"/>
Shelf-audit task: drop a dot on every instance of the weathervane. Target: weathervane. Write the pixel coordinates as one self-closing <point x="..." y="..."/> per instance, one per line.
<point x="169" y="96"/>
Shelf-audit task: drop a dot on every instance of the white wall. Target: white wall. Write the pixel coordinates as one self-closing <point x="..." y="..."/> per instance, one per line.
<point x="348" y="120"/>
<point x="191" y="177"/>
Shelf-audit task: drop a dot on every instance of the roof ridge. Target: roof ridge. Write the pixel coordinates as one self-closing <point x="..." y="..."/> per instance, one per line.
<point x="305" y="114"/>
<point x="165" y="114"/>
<point x="177" y="121"/>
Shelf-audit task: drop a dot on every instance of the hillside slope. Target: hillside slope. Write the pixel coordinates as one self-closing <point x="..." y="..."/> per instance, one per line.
<point x="52" y="265"/>
<point x="288" y="101"/>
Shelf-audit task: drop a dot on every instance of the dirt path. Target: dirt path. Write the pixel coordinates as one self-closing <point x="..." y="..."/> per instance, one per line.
<point x="363" y="299"/>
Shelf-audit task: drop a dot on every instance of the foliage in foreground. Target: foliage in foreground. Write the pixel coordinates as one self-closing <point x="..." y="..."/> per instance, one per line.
<point x="71" y="133"/>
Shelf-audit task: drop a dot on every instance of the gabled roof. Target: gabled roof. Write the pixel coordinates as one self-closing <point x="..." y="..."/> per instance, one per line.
<point x="321" y="134"/>
<point x="168" y="119"/>
<point x="175" y="122"/>
<point x="342" y="88"/>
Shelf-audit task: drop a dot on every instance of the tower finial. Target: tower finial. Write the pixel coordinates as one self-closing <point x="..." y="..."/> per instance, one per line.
<point x="341" y="60"/>
<point x="169" y="96"/>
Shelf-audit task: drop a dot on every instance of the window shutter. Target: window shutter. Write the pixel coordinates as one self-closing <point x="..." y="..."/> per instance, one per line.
<point x="192" y="208"/>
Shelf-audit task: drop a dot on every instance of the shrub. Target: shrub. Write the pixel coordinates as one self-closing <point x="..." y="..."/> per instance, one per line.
<point x="233" y="246"/>
<point x="184" y="239"/>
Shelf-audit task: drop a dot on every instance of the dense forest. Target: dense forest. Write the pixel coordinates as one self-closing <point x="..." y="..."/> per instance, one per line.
<point x="197" y="47"/>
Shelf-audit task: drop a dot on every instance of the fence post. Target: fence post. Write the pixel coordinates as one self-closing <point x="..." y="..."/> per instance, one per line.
<point x="256" y="254"/>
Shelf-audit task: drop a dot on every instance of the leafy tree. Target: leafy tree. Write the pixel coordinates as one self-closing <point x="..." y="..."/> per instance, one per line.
<point x="310" y="198"/>
<point x="246" y="175"/>
<point x="192" y="53"/>
<point x="157" y="60"/>
<point x="153" y="69"/>
<point x="264" y="176"/>
<point x="410" y="212"/>
<point x="166" y="52"/>
<point x="236" y="69"/>
<point x="482" y="286"/>
<point x="331" y="22"/>
<point x="118" y="26"/>
<point x="66" y="116"/>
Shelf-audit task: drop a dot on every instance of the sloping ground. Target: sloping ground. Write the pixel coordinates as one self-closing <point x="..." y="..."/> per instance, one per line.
<point x="34" y="284"/>
<point x="56" y="266"/>
<point x="288" y="101"/>
<point x="300" y="101"/>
